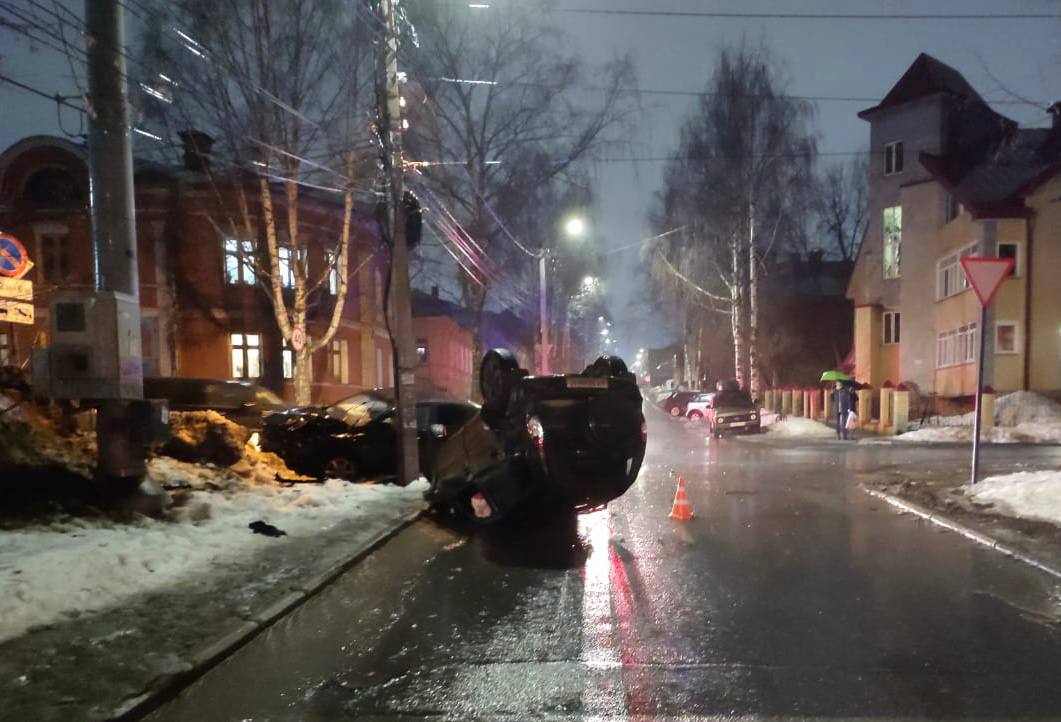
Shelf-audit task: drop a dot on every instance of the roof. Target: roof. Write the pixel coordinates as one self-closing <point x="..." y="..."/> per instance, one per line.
<point x="991" y="180"/>
<point x="927" y="76"/>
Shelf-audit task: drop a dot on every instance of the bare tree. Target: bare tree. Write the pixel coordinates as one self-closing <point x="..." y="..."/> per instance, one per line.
<point x="841" y="207"/>
<point x="280" y="85"/>
<point x="734" y="187"/>
<point x="500" y="123"/>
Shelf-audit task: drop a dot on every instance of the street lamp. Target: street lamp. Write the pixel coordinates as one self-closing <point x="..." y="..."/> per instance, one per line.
<point x="575" y="227"/>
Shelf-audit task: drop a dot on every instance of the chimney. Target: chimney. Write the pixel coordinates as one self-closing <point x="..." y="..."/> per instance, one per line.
<point x="197" y="147"/>
<point x="434" y="292"/>
<point x="1055" y="113"/>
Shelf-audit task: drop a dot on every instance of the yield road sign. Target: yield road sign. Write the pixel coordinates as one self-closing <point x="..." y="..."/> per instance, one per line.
<point x="986" y="275"/>
<point x="14" y="261"/>
<point x="16" y="312"/>
<point x="15" y="289"/>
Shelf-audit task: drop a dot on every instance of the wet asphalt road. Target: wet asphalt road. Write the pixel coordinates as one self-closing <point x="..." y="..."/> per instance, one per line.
<point x="791" y="595"/>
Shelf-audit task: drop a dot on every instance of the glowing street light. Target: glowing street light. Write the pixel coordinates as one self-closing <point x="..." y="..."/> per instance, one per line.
<point x="575" y="227"/>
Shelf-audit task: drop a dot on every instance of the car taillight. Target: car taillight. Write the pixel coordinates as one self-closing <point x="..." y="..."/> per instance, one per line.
<point x="644" y="430"/>
<point x="537" y="433"/>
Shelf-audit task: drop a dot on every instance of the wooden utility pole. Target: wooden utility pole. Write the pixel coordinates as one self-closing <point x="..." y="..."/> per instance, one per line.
<point x="401" y="317"/>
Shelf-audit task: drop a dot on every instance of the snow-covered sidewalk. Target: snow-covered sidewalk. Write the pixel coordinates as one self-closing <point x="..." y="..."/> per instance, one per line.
<point x="1024" y="495"/>
<point x="76" y="565"/>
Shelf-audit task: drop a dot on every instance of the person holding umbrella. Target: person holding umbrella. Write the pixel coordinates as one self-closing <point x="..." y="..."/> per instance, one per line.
<point x="845" y="400"/>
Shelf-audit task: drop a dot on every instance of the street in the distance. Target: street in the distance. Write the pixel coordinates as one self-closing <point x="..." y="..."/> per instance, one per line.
<point x="792" y="594"/>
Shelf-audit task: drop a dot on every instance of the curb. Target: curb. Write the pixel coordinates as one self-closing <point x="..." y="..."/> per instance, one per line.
<point x="967" y="532"/>
<point x="199" y="663"/>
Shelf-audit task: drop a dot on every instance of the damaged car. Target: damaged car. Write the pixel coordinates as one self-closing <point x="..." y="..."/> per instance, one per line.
<point x="569" y="442"/>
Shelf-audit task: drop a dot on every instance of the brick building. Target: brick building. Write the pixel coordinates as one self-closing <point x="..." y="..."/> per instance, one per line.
<point x="204" y="312"/>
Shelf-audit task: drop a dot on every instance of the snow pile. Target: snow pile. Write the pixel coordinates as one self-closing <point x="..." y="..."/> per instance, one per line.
<point x="794" y="426"/>
<point x="205" y="436"/>
<point x="54" y="572"/>
<point x="1026" y="433"/>
<point x="1026" y="407"/>
<point x="1026" y="494"/>
<point x="33" y="445"/>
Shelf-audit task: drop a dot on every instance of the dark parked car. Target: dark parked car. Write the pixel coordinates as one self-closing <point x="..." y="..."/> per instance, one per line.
<point x="241" y="401"/>
<point x="732" y="412"/>
<point x="355" y="438"/>
<point x="563" y="442"/>
<point x="677" y="403"/>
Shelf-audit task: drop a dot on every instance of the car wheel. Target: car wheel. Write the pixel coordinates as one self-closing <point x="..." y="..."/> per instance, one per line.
<point x="340" y="467"/>
<point x="695" y="417"/>
<point x="675" y="411"/>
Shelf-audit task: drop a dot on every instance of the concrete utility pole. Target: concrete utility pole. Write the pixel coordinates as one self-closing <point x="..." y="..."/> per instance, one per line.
<point x="390" y="113"/>
<point x="113" y="226"/>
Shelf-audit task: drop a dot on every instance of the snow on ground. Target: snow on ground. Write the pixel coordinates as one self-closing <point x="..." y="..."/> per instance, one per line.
<point x="1025" y="494"/>
<point x="805" y="428"/>
<point x="1021" y="417"/>
<point x="72" y="565"/>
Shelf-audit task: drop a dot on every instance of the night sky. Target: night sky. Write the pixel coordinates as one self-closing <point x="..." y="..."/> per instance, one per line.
<point x="833" y="57"/>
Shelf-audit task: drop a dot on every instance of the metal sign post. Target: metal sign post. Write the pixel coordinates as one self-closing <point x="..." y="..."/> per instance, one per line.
<point x="985" y="275"/>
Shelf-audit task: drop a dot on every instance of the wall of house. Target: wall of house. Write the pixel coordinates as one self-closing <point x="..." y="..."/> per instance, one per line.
<point x="922" y="216"/>
<point x="449" y="358"/>
<point x="1045" y="267"/>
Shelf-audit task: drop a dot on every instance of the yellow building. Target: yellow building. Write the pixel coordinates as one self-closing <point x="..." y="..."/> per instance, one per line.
<point x="949" y="178"/>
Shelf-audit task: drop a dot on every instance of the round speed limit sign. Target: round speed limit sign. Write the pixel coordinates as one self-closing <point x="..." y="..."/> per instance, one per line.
<point x="298" y="340"/>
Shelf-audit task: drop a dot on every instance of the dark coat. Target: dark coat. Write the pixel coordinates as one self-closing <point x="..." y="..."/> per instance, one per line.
<point x="846" y="400"/>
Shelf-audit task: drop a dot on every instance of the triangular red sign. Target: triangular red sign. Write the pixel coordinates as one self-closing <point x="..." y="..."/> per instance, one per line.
<point x="986" y="275"/>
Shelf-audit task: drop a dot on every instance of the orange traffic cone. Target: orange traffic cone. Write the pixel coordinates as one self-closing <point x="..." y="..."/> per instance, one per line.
<point x="681" y="509"/>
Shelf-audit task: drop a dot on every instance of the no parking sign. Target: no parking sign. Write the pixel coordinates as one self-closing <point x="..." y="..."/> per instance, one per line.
<point x="14" y="261"/>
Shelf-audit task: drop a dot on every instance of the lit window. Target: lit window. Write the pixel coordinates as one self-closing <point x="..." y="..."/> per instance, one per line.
<point x="5" y="349"/>
<point x="1010" y="250"/>
<point x="892" y="326"/>
<point x="246" y="355"/>
<point x="55" y="249"/>
<point x="1005" y="337"/>
<point x="893" y="158"/>
<point x="421" y="351"/>
<point x="287" y="360"/>
<point x="239" y="260"/>
<point x="333" y="272"/>
<point x="893" y="241"/>
<point x="379" y="368"/>
<point x="287" y="269"/>
<point x="340" y="352"/>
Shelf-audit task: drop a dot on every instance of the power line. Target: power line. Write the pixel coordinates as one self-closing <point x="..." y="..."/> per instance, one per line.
<point x="60" y="99"/>
<point x="807" y="16"/>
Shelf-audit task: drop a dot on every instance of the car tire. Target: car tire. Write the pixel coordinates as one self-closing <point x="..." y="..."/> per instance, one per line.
<point x="498" y="373"/>
<point x="340" y="467"/>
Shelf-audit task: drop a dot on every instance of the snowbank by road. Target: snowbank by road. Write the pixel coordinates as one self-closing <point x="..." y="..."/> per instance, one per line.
<point x="1026" y="433"/>
<point x="71" y="566"/>
<point x="805" y="428"/>
<point x="1026" y="494"/>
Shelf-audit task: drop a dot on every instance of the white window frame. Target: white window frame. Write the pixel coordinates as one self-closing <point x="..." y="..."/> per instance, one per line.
<point x="894" y="162"/>
<point x="892" y="270"/>
<point x="380" y="378"/>
<point x="287" y="360"/>
<point x="957" y="347"/>
<point x="1018" y="257"/>
<point x="332" y="262"/>
<point x="950" y="277"/>
<point x="237" y="269"/>
<point x="1016" y="338"/>
<point x="340" y="360"/>
<point x="245" y="355"/>
<point x="889" y="327"/>
<point x="284" y="258"/>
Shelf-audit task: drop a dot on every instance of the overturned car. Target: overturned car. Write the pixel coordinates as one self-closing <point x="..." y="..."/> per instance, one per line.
<point x="559" y="442"/>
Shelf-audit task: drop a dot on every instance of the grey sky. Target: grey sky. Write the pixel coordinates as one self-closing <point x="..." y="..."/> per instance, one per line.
<point x="822" y="58"/>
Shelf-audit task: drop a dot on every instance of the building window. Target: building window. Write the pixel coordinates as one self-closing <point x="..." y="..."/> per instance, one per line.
<point x="340" y="352"/>
<point x="421" y="351"/>
<point x="287" y="360"/>
<point x="957" y="347"/>
<point x="953" y="209"/>
<point x="333" y="272"/>
<point x="55" y="252"/>
<point x="286" y="256"/>
<point x="246" y="355"/>
<point x="379" y="368"/>
<point x="239" y="261"/>
<point x="1005" y="337"/>
<point x="893" y="241"/>
<point x="893" y="158"/>
<point x="5" y="349"/>
<point x="950" y="277"/>
<point x="1008" y="249"/>
<point x="892" y="326"/>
